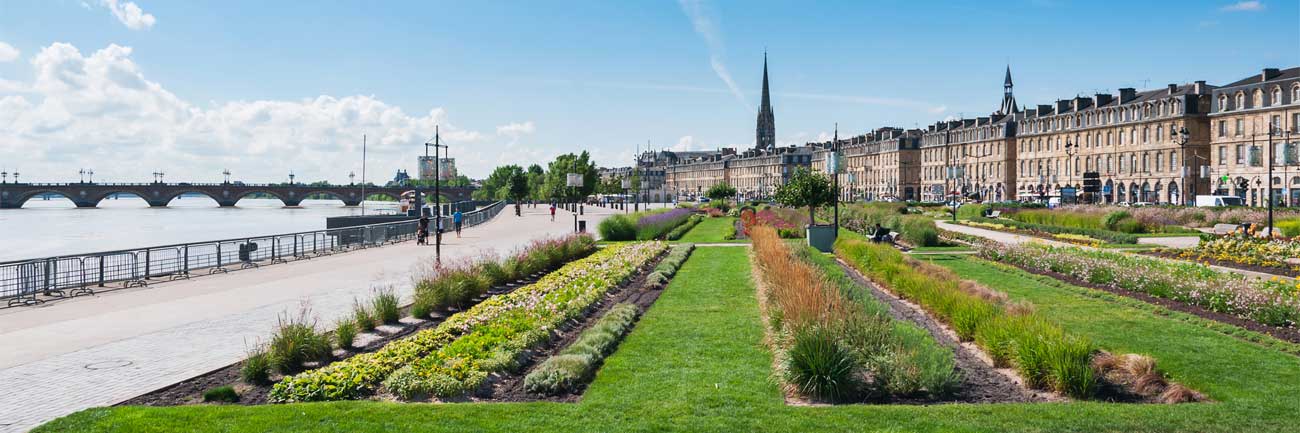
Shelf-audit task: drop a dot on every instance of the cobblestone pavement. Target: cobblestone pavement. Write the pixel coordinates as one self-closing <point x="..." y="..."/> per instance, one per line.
<point x="103" y="349"/>
<point x="1013" y="238"/>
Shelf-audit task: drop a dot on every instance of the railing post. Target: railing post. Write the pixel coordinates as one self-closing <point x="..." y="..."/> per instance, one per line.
<point x="218" y="255"/>
<point x="101" y="271"/>
<point x="295" y="246"/>
<point x="147" y="261"/>
<point x="186" y="266"/>
<point x="46" y="281"/>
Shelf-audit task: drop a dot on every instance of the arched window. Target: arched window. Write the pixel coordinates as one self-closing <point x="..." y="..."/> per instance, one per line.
<point x="1108" y="162"/>
<point x="1257" y="98"/>
<point x="1241" y="100"/>
<point x="1276" y="97"/>
<point x="1173" y="161"/>
<point x="1160" y="132"/>
<point x="1108" y="138"/>
<point x="1146" y="134"/>
<point x="1295" y="94"/>
<point x="1223" y="102"/>
<point x="1146" y="111"/>
<point x="1160" y="166"/>
<point x="1121" y="163"/>
<point x="1162" y="108"/>
<point x="1132" y="163"/>
<point x="1146" y="167"/>
<point x="1076" y="164"/>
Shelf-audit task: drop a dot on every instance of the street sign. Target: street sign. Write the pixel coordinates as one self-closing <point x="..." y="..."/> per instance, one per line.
<point x="574" y="180"/>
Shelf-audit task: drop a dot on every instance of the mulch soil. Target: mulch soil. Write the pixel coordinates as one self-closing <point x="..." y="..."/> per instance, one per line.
<point x="1286" y="334"/>
<point x="980" y="381"/>
<point x="501" y="387"/>
<point x="190" y="391"/>
<point x="1286" y="272"/>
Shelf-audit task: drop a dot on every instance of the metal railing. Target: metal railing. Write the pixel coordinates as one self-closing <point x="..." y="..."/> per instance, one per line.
<point x="24" y="282"/>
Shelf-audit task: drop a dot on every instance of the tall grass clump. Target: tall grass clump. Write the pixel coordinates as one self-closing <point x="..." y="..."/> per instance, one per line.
<point x="385" y="306"/>
<point x="574" y="365"/>
<point x="345" y="332"/>
<point x="362" y="317"/>
<point x="1042" y="353"/>
<point x="834" y="341"/>
<point x="456" y="284"/>
<point x="257" y="367"/>
<point x="295" y="342"/>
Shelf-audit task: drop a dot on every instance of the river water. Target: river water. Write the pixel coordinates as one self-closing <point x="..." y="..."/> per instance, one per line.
<point x="56" y="227"/>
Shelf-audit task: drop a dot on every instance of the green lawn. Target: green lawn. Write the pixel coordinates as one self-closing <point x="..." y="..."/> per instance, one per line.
<point x="943" y="249"/>
<point x="695" y="362"/>
<point x="711" y="230"/>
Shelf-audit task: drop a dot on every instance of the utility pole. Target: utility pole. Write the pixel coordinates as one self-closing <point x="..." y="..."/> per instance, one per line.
<point x="437" y="199"/>
<point x="835" y="176"/>
<point x="363" y="174"/>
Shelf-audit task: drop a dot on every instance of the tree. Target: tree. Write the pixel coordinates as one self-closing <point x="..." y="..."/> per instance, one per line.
<point x="721" y="191"/>
<point x="806" y="188"/>
<point x="556" y="179"/>
<point x="536" y="178"/>
<point x="497" y="184"/>
<point x="518" y="186"/>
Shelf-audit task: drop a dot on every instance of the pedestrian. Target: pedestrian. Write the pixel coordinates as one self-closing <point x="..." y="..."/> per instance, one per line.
<point x="422" y="231"/>
<point x="552" y="212"/>
<point x="456" y="219"/>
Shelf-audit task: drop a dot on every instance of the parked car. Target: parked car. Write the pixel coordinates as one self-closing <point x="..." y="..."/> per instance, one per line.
<point x="1218" y="200"/>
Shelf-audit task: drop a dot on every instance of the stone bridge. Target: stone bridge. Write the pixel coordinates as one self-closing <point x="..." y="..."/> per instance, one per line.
<point x="87" y="194"/>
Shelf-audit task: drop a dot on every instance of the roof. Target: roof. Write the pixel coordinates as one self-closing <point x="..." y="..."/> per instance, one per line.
<point x="1285" y="74"/>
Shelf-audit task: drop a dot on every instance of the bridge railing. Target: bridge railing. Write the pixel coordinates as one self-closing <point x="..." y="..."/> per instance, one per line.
<point x="27" y="282"/>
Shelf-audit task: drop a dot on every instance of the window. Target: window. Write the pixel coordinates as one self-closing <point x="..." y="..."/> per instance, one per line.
<point x="1145" y="166"/>
<point x="1160" y="133"/>
<point x="1108" y="161"/>
<point x="1146" y="134"/>
<point x="1223" y="155"/>
<point x="1275" y="123"/>
<point x="1241" y="130"/>
<point x="1257" y="99"/>
<point x="1108" y="138"/>
<point x="1295" y="123"/>
<point x="1121" y="163"/>
<point x="1241" y="154"/>
<point x="1160" y="162"/>
<point x="1241" y="100"/>
<point x="1276" y="97"/>
<point x="1173" y="161"/>
<point x="1223" y="102"/>
<point x="1295" y="94"/>
<point x="1132" y="136"/>
<point x="1132" y="163"/>
<point x="1223" y="128"/>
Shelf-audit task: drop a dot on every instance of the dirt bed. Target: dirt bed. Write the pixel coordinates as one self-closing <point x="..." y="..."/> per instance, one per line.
<point x="980" y="381"/>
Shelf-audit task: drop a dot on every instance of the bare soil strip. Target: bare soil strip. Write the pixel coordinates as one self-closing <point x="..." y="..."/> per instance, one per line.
<point x="980" y="381"/>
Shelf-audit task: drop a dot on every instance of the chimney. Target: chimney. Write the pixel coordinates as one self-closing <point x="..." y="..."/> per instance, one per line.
<point x="1200" y="87"/>
<point x="1062" y="105"/>
<point x="1043" y="109"/>
<point x="1269" y="73"/>
<point x="1173" y="88"/>
<point x="1127" y="94"/>
<point x="1103" y="98"/>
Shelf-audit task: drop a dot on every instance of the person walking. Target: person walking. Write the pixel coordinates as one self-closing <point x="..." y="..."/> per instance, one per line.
<point x="552" y="212"/>
<point x="422" y="231"/>
<point x="456" y="219"/>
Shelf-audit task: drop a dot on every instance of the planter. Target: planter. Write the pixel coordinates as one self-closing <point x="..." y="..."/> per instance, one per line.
<point x="821" y="237"/>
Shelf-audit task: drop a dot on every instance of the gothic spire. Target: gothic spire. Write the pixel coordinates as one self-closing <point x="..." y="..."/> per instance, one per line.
<point x="1008" y="106"/>
<point x="765" y="136"/>
<point x="1007" y="83"/>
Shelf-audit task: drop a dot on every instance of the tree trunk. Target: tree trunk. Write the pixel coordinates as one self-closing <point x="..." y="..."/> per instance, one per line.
<point x="812" y="221"/>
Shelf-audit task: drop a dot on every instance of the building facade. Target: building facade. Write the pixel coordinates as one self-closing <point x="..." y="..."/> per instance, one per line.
<point x="1247" y="115"/>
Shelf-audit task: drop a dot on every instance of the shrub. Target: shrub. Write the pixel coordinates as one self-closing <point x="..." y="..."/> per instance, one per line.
<point x="656" y="225"/>
<point x="221" y="394"/>
<point x="576" y="363"/>
<point x="918" y="365"/>
<point x="361" y="316"/>
<point x="257" y="367"/>
<point x="385" y="306"/>
<point x="421" y="308"/>
<point x="617" y="228"/>
<point x="681" y="230"/>
<point x="818" y="366"/>
<point x="345" y="332"/>
<point x="295" y="342"/>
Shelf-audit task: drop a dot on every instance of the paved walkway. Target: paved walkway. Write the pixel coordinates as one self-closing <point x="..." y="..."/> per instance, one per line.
<point x="1015" y="238"/>
<point x="104" y="349"/>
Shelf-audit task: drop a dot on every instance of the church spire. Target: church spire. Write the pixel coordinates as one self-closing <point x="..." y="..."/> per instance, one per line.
<point x="765" y="136"/>
<point x="1008" y="106"/>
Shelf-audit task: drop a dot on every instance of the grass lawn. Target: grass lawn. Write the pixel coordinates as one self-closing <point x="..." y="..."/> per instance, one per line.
<point x="943" y="249"/>
<point x="711" y="230"/>
<point x="695" y="362"/>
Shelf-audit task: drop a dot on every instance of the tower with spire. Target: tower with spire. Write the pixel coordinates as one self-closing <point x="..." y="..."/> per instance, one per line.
<point x="765" y="136"/>
<point x="1008" y="101"/>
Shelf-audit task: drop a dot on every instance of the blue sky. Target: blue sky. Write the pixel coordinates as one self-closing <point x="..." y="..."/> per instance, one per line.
<point x="262" y="88"/>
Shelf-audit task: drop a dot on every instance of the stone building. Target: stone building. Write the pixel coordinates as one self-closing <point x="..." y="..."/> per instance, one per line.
<point x="757" y="173"/>
<point x="1144" y="146"/>
<point x="1243" y="115"/>
<point x="974" y="158"/>
<point x="879" y="165"/>
<point x="690" y="178"/>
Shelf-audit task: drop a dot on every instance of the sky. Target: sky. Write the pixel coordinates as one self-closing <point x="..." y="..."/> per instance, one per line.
<point x="262" y="89"/>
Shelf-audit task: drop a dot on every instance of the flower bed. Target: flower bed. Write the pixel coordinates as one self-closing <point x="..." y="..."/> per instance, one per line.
<point x="832" y="342"/>
<point x="575" y="364"/>
<point x="571" y="284"/>
<point x="492" y="335"/>
<point x="916" y="230"/>
<point x="681" y="230"/>
<point x="750" y="218"/>
<point x="456" y="283"/>
<point x="1272" y="303"/>
<point x="1049" y="231"/>
<point x="1245" y="250"/>
<point x="646" y="225"/>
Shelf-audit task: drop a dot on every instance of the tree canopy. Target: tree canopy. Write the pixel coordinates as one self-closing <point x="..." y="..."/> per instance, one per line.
<point x="806" y="188"/>
<point x="721" y="191"/>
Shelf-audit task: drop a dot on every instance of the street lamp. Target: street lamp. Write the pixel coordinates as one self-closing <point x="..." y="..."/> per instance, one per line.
<point x="1181" y="136"/>
<point x="4" y="177"/>
<point x="437" y="198"/>
<point x="351" y="176"/>
<point x="226" y="173"/>
<point x="157" y="177"/>
<point x="90" y="174"/>
<point x="291" y="177"/>
<point x="81" y="174"/>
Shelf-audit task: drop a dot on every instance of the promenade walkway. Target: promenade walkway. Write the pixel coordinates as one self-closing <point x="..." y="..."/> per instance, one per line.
<point x="1015" y="238"/>
<point x="104" y="349"/>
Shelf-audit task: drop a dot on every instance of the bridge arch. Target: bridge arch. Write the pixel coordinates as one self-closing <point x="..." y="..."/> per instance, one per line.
<point x="23" y="198"/>
<point x="174" y="195"/>
<point x="156" y="199"/>
<point x="349" y="198"/>
<point x="288" y="199"/>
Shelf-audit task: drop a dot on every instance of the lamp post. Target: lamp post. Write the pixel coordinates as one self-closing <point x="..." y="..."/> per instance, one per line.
<point x="1181" y="136"/>
<point x="437" y="198"/>
<point x="158" y="177"/>
<point x="291" y="177"/>
<point x="89" y="173"/>
<point x="81" y="175"/>
<point x="351" y="178"/>
<point x="226" y="175"/>
<point x="4" y="177"/>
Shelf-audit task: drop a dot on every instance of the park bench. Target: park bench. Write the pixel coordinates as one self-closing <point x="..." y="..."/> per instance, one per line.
<point x="1223" y="229"/>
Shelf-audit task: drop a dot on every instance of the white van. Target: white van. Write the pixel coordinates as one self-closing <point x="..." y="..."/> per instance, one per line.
<point x="1218" y="200"/>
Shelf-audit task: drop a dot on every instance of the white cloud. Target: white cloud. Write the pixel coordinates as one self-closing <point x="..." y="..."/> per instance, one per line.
<point x="515" y="130"/>
<point x="686" y="143"/>
<point x="8" y="53"/>
<point x="100" y="111"/>
<point x="707" y="29"/>
<point x="129" y="14"/>
<point x="1244" y="6"/>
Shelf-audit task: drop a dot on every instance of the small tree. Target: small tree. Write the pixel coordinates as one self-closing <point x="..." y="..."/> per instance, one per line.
<point x="518" y="186"/>
<point x="806" y="188"/>
<point x="721" y="191"/>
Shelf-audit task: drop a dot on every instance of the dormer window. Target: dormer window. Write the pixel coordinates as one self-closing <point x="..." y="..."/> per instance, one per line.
<point x="1257" y="99"/>
<point x="1241" y="100"/>
<point x="1276" y="97"/>
<point x="1223" y="103"/>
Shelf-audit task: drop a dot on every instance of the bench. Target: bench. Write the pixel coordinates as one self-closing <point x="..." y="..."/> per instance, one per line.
<point x="995" y="214"/>
<point x="1223" y="229"/>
